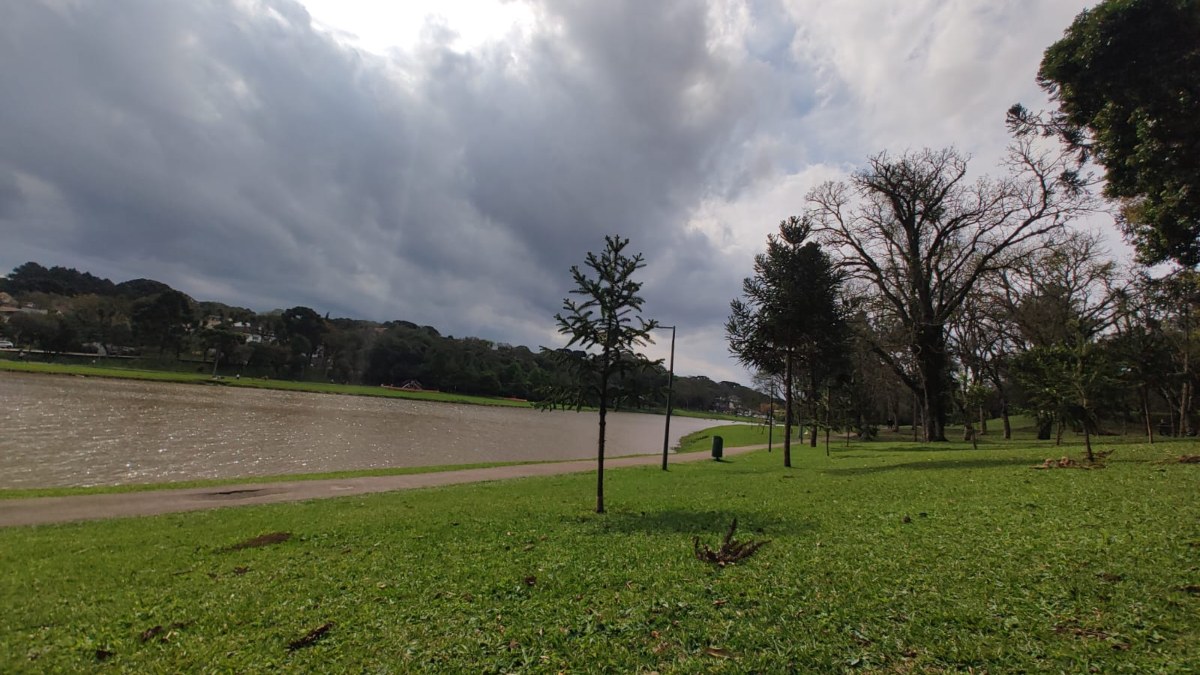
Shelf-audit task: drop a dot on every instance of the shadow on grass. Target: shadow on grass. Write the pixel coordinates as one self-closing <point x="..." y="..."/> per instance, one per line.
<point x="952" y="446"/>
<point x="750" y="523"/>
<point x="933" y="465"/>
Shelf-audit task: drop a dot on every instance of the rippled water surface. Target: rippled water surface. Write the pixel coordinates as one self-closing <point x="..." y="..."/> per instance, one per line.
<point x="60" y="431"/>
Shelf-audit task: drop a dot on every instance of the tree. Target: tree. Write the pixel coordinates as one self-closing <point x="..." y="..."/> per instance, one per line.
<point x="49" y="332"/>
<point x="1144" y="350"/>
<point x="162" y="320"/>
<point x="607" y="327"/>
<point x="916" y="232"/>
<point x="1126" y="79"/>
<point x="790" y="318"/>
<point x="221" y="342"/>
<point x="304" y="329"/>
<point x="1178" y="298"/>
<point x="1065" y="295"/>
<point x="99" y="319"/>
<point x="1072" y="383"/>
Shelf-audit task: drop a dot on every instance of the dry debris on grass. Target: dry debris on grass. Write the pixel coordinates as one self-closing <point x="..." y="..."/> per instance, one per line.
<point x="260" y="541"/>
<point x="1068" y="463"/>
<point x="731" y="550"/>
<point x="310" y="637"/>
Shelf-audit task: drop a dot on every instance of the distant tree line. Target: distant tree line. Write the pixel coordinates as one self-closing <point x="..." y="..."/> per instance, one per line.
<point x="79" y="312"/>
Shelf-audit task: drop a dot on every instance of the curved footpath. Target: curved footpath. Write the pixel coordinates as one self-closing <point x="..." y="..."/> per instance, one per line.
<point x="45" y="510"/>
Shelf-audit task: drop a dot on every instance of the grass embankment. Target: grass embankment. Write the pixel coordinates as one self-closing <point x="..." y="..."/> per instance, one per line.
<point x="732" y="435"/>
<point x="190" y="377"/>
<point x="250" y="382"/>
<point x="884" y="558"/>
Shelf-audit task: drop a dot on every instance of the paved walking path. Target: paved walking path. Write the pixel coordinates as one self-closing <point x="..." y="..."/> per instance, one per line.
<point x="44" y="510"/>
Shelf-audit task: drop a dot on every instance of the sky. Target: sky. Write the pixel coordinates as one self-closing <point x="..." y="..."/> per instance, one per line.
<point x="446" y="163"/>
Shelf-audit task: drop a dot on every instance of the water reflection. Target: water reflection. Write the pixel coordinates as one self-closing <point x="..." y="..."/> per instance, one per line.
<point x="61" y="431"/>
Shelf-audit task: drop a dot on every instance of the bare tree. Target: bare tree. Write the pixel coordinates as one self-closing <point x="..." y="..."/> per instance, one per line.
<point x="921" y="235"/>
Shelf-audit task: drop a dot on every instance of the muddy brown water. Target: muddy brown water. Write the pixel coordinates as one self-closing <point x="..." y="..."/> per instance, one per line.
<point x="75" y="431"/>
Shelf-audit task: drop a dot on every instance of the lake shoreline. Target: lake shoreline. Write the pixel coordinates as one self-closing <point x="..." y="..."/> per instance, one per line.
<point x="175" y="377"/>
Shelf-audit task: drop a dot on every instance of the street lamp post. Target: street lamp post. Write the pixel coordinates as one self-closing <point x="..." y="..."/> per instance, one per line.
<point x="670" y="392"/>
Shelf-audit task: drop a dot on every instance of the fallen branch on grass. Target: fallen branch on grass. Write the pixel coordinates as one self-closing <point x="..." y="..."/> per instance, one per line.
<point x="310" y="637"/>
<point x="731" y="550"/>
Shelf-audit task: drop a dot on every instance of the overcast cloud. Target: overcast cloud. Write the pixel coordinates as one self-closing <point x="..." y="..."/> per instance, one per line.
<point x="244" y="152"/>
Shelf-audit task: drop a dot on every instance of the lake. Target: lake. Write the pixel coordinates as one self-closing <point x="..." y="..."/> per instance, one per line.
<point x="76" y="431"/>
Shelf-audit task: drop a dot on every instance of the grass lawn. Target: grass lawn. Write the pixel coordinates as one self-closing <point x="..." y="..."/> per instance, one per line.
<point x="733" y="436"/>
<point x="885" y="557"/>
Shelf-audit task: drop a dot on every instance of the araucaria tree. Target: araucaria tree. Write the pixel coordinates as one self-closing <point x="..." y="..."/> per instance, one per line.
<point x="606" y="326"/>
<point x="790" y="319"/>
<point x="920" y="235"/>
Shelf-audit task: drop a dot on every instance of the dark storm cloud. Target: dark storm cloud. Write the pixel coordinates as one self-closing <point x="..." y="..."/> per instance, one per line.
<point x="230" y="148"/>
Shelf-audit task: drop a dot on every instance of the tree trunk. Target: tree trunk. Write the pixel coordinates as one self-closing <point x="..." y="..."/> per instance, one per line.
<point x="916" y="412"/>
<point x="1045" y="427"/>
<point x="1004" y="418"/>
<point x="787" y="404"/>
<point x="600" y="443"/>
<point x="828" y="413"/>
<point x="1185" y="391"/>
<point x="1146" y="415"/>
<point x="931" y="359"/>
<point x="1185" y="404"/>
<point x="982" y="421"/>
<point x="1087" y="442"/>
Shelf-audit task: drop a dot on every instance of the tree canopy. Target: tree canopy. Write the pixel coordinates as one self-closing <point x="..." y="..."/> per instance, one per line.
<point x="607" y="326"/>
<point x="789" y="317"/>
<point x="1126" y="79"/>
<point x="918" y="235"/>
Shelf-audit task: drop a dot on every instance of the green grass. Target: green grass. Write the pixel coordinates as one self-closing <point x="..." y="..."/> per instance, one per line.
<point x="25" y="493"/>
<point x="883" y="558"/>
<point x="732" y="435"/>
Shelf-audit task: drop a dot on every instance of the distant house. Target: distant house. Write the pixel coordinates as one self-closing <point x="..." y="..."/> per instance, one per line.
<point x="731" y="403"/>
<point x="9" y="310"/>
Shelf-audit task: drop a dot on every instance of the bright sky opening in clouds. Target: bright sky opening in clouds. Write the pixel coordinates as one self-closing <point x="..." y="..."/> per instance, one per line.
<point x="446" y="162"/>
<point x="381" y="25"/>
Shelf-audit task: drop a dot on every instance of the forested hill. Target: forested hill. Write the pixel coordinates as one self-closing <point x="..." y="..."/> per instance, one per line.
<point x="67" y="310"/>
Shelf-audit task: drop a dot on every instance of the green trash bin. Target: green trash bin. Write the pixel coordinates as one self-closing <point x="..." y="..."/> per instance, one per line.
<point x="718" y="447"/>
